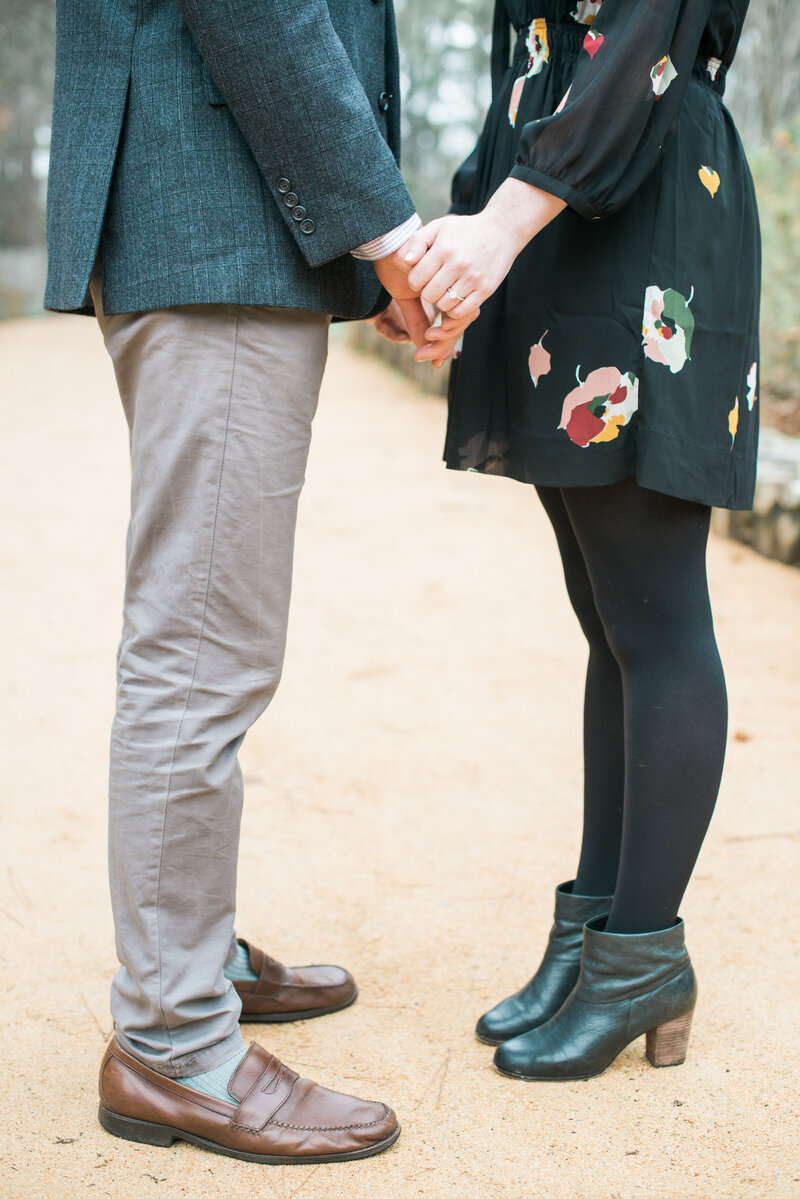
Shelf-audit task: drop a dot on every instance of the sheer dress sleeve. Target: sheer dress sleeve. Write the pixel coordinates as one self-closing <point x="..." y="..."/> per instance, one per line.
<point x="621" y="108"/>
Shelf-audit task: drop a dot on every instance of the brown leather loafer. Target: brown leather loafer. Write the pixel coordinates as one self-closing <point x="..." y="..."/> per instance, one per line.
<point x="280" y="1118"/>
<point x="286" y="993"/>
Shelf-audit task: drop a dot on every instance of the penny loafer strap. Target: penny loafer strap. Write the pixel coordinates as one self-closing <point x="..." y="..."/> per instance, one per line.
<point x="268" y="1093"/>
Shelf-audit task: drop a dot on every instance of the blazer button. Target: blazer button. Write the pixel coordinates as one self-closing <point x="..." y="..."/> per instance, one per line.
<point x="384" y="99"/>
<point x="307" y="226"/>
<point x="298" y="212"/>
<point x="283" y="185"/>
<point x="290" y="200"/>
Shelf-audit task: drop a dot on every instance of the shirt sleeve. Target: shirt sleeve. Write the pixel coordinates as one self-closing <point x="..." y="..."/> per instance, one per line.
<point x="387" y="243"/>
<point x="622" y="106"/>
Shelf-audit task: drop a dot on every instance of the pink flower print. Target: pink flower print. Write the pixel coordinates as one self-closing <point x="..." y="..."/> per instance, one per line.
<point x="662" y="75"/>
<point x="538" y="46"/>
<point x="752" y="383"/>
<point x="564" y="100"/>
<point x="585" y="11"/>
<point x="598" y="408"/>
<point x="667" y="328"/>
<point x="516" y="96"/>
<point x="592" y="43"/>
<point x="539" y="360"/>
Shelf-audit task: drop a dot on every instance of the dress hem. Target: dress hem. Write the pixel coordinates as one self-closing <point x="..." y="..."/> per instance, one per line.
<point x="702" y="475"/>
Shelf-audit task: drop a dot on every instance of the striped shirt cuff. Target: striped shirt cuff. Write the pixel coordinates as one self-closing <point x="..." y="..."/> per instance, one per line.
<point x="387" y="243"/>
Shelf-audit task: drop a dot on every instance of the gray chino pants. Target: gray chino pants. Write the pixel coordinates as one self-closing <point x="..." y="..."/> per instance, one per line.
<point x="219" y="400"/>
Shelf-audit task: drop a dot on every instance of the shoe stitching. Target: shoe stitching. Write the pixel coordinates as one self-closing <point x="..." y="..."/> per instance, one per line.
<point x="235" y="1074"/>
<point x="329" y="1127"/>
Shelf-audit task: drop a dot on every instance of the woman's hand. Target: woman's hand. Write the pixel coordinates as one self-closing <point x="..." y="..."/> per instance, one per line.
<point x="459" y="261"/>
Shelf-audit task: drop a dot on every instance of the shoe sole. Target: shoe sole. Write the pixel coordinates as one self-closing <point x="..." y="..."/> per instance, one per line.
<point x="546" y="1078"/>
<point x="487" y="1041"/>
<point x="286" y="1017"/>
<point x="576" y="1077"/>
<point x="162" y="1135"/>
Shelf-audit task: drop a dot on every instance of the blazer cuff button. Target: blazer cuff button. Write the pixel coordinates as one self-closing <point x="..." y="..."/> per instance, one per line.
<point x="290" y="200"/>
<point x="307" y="226"/>
<point x="298" y="212"/>
<point x="283" y="186"/>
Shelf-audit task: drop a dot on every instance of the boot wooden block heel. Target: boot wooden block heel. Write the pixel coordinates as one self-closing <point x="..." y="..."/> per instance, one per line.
<point x="666" y="1045"/>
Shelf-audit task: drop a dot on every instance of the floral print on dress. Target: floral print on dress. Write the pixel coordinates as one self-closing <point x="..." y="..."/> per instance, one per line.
<point x="538" y="47"/>
<point x="516" y="96"/>
<point x="598" y="408"/>
<point x="539" y="360"/>
<point x="585" y="11"/>
<point x="662" y="75"/>
<point x="667" y="327"/>
<point x="592" y="42"/>
<point x="538" y="58"/>
<point x="733" y="421"/>
<point x="710" y="180"/>
<point x="752" y="383"/>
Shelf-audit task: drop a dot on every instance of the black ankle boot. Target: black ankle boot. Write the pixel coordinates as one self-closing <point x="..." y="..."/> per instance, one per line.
<point x="628" y="985"/>
<point x="541" y="998"/>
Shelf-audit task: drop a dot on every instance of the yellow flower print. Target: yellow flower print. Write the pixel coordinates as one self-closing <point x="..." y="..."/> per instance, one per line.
<point x="538" y="46"/>
<point x="710" y="180"/>
<point x="733" y="421"/>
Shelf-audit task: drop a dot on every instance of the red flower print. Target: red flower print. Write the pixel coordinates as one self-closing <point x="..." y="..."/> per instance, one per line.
<point x="592" y="43"/>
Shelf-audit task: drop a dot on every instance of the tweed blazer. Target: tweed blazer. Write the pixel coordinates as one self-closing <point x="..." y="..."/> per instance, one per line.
<point x="223" y="151"/>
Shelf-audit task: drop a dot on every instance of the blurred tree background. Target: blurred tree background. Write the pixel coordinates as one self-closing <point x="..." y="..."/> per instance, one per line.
<point x="445" y="61"/>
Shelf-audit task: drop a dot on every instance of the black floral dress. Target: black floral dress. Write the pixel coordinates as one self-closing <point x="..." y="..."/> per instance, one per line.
<point x="625" y="339"/>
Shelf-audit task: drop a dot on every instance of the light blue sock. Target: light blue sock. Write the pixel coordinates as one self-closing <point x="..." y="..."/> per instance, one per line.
<point x="215" y="1082"/>
<point x="240" y="967"/>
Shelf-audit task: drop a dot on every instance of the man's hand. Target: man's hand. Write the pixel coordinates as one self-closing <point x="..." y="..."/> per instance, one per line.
<point x="390" y="323"/>
<point x="393" y="274"/>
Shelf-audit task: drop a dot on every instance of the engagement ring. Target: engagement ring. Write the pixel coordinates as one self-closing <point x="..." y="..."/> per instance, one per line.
<point x="453" y="295"/>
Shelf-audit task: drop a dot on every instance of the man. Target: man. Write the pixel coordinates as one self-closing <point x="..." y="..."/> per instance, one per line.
<point x="214" y="165"/>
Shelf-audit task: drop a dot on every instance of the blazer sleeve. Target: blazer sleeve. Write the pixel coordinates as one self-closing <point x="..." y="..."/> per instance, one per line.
<point x="290" y="85"/>
<point x="622" y="106"/>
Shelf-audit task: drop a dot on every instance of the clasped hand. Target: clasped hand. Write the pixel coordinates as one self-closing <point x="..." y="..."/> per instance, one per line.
<point x="451" y="266"/>
<point x="440" y="278"/>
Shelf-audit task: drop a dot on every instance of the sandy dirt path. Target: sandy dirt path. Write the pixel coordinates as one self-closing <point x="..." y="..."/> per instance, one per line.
<point x="413" y="798"/>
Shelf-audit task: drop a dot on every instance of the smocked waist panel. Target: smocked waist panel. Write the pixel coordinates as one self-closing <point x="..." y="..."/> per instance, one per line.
<point x="540" y="39"/>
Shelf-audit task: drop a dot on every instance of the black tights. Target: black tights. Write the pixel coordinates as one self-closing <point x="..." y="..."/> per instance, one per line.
<point x="655" y="713"/>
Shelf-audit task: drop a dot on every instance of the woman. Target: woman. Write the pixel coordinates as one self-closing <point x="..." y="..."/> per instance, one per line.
<point x="613" y="248"/>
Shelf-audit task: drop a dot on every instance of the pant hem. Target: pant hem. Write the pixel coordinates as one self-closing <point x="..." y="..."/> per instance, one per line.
<point x="191" y="1063"/>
